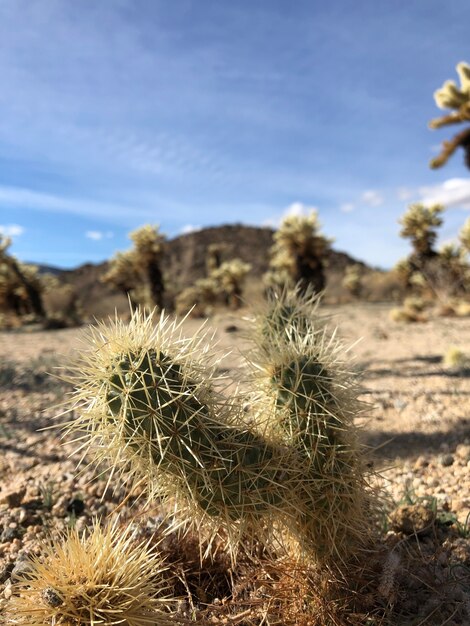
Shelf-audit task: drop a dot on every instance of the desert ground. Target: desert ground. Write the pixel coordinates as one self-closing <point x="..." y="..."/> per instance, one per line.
<point x="416" y="426"/>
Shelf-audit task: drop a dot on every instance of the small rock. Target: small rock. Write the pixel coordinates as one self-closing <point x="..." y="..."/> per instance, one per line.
<point x="9" y="534"/>
<point x="22" y="566"/>
<point x="420" y="462"/>
<point x="231" y="328"/>
<point x="12" y="497"/>
<point x="76" y="507"/>
<point x="7" y="592"/>
<point x="412" y="519"/>
<point x="5" y="572"/>
<point x="462" y="451"/>
<point x="446" y="460"/>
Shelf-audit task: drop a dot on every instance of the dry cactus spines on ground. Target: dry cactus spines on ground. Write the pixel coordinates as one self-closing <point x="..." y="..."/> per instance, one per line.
<point x="102" y="577"/>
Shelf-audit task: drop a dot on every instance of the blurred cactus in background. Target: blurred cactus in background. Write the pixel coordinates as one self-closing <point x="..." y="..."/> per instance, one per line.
<point x="450" y="96"/>
<point x="214" y="256"/>
<point x="442" y="275"/>
<point x="148" y="246"/>
<point x="137" y="272"/>
<point x="298" y="253"/>
<point x="222" y="285"/>
<point x="352" y="280"/>
<point x="20" y="286"/>
<point x="229" y="279"/>
<point x="419" y="225"/>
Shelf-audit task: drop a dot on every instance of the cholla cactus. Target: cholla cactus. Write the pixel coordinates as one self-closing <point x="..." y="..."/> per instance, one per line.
<point x="229" y="279"/>
<point x="214" y="256"/>
<point x="137" y="272"/>
<point x="199" y="299"/>
<point x="20" y="286"/>
<point x="101" y="578"/>
<point x="419" y="224"/>
<point x="308" y="388"/>
<point x="224" y="284"/>
<point x="464" y="236"/>
<point x="352" y="280"/>
<point x="147" y="397"/>
<point x="450" y="96"/>
<point x="298" y="252"/>
<point x="148" y="245"/>
<point x="124" y="274"/>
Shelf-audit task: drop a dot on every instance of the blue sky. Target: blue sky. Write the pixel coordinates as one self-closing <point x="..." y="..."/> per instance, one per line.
<point x="194" y="113"/>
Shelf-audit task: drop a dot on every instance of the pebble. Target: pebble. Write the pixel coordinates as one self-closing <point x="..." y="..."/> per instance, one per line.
<point x="446" y="460"/>
<point x="12" y="497"/>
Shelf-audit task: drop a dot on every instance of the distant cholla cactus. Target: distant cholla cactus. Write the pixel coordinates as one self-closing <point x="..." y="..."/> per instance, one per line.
<point x="352" y="280"/>
<point x="452" y="97"/>
<point x="223" y="284"/>
<point x="214" y="256"/>
<point x="197" y="299"/>
<point x="148" y="245"/>
<point x="464" y="236"/>
<point x="419" y="224"/>
<point x="229" y="278"/>
<point x="137" y="272"/>
<point x="20" y="285"/>
<point x="104" y="577"/>
<point x="297" y="256"/>
<point x="124" y="274"/>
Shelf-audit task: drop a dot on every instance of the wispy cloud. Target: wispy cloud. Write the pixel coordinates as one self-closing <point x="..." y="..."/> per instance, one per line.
<point x="98" y="235"/>
<point x="450" y="193"/>
<point x="347" y="207"/>
<point x="372" y="198"/>
<point x="295" y="208"/>
<point x="17" y="197"/>
<point x="11" y="230"/>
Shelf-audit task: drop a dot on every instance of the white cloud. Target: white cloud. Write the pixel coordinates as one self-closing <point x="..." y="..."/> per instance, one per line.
<point x="97" y="235"/>
<point x="298" y="208"/>
<point x="189" y="228"/>
<point x="452" y="192"/>
<point x="404" y="193"/>
<point x="372" y="198"/>
<point x="11" y="230"/>
<point x="347" y="207"/>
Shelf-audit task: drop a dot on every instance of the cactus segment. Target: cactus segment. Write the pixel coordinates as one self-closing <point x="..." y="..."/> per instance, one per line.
<point x="300" y="366"/>
<point x="230" y="471"/>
